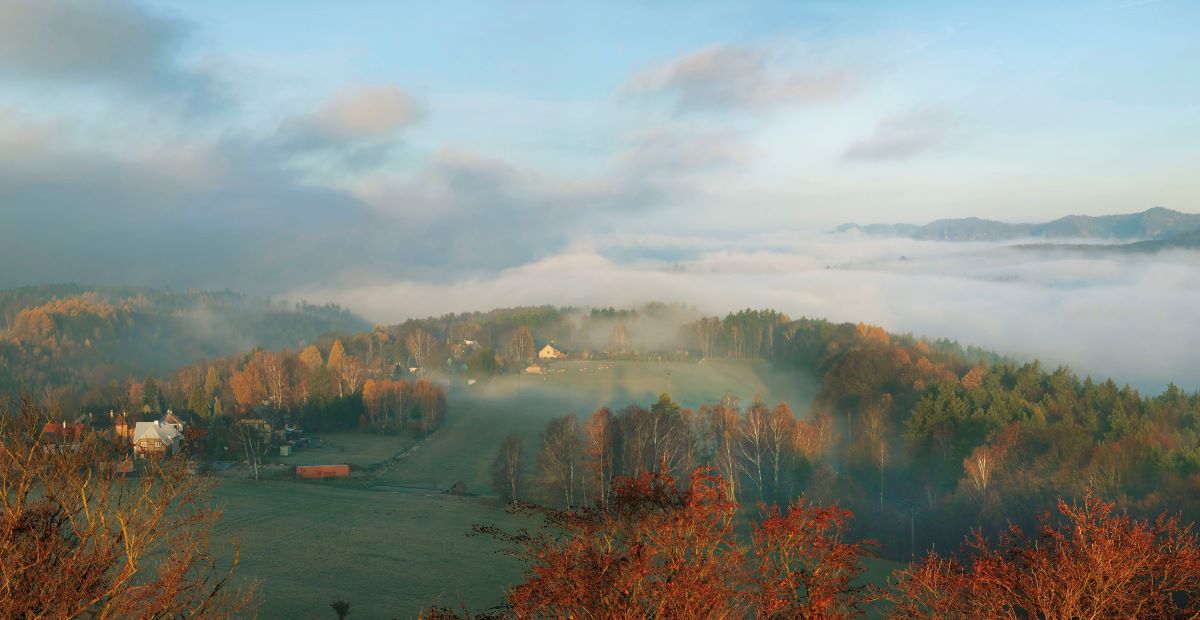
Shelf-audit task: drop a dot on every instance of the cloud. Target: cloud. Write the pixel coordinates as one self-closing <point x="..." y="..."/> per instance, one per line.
<point x="905" y="136"/>
<point x="108" y="42"/>
<point x="732" y="78"/>
<point x="238" y="213"/>
<point x="204" y="215"/>
<point x="665" y="150"/>
<point x="354" y="116"/>
<point x="483" y="212"/>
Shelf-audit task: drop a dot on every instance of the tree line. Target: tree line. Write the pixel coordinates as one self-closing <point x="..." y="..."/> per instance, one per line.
<point x="926" y="441"/>
<point x="763" y="452"/>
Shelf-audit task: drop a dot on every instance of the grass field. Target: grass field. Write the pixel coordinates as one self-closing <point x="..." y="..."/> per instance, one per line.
<point x="481" y="415"/>
<point x="389" y="554"/>
<point x="392" y="553"/>
<point x="348" y="448"/>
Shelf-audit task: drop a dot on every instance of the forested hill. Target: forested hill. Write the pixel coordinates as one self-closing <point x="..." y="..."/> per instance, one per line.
<point x="71" y="338"/>
<point x="1156" y="223"/>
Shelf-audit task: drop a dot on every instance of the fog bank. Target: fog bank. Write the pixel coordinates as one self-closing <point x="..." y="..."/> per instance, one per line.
<point x="1129" y="317"/>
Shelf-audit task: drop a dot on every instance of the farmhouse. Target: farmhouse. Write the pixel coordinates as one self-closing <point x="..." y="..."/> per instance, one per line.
<point x="155" y="439"/>
<point x="551" y="352"/>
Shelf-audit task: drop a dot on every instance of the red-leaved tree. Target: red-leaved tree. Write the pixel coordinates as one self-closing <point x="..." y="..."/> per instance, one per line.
<point x="659" y="550"/>
<point x="1089" y="564"/>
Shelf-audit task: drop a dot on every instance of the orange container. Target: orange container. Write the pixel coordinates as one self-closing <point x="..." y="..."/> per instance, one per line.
<point x="322" y="471"/>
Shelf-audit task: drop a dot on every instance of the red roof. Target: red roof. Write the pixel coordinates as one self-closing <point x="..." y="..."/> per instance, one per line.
<point x="60" y="431"/>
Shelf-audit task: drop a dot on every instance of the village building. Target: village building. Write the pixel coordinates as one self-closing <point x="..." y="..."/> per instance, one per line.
<point x="156" y="439"/>
<point x="173" y="420"/>
<point x="60" y="436"/>
<point x="122" y="428"/>
<point x="552" y="352"/>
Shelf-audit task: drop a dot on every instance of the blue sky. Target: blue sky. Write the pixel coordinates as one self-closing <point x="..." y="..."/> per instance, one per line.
<point x="426" y="137"/>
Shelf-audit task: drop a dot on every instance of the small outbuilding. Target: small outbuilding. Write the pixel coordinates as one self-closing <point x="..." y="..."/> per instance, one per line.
<point x="552" y="352"/>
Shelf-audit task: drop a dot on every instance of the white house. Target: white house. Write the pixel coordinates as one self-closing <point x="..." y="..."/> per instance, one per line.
<point x="551" y="352"/>
<point x="156" y="439"/>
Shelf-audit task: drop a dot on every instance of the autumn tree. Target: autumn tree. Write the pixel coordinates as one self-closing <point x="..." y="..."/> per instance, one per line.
<point x="814" y="435"/>
<point x="980" y="465"/>
<point x="212" y="382"/>
<point x="599" y="436"/>
<point x="618" y="341"/>
<point x="337" y="353"/>
<point x="426" y="402"/>
<point x="350" y="373"/>
<point x="973" y="380"/>
<point x="311" y="357"/>
<point x="80" y="541"/>
<point x="801" y="565"/>
<point x="873" y="438"/>
<point x="507" y="476"/>
<point x="420" y="345"/>
<point x="276" y="379"/>
<point x="384" y="400"/>
<point x="558" y="458"/>
<point x="659" y="550"/>
<point x="520" y="345"/>
<point x="755" y="444"/>
<point x="724" y="426"/>
<point x="1088" y="564"/>
<point x="247" y="386"/>
<point x="706" y="331"/>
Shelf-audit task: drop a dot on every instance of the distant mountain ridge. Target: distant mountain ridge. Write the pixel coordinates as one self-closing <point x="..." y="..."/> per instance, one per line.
<point x="1185" y="241"/>
<point x="1155" y="223"/>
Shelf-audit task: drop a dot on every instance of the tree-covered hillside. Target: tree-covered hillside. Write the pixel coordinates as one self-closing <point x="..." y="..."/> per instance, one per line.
<point x="70" y="338"/>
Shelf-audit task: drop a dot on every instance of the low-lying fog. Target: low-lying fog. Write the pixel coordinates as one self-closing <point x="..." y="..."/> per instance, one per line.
<point x="1132" y="317"/>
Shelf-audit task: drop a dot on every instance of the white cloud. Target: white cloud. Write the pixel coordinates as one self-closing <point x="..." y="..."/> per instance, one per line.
<point x="730" y="77"/>
<point x="904" y="136"/>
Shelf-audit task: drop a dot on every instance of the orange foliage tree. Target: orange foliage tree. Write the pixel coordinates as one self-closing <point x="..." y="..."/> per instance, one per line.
<point x="80" y="540"/>
<point x="656" y="550"/>
<point x="1092" y="564"/>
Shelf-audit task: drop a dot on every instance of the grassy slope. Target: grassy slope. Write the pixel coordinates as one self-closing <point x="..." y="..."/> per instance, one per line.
<point x="389" y="554"/>
<point x="347" y="448"/>
<point x="483" y="414"/>
<point x="392" y="553"/>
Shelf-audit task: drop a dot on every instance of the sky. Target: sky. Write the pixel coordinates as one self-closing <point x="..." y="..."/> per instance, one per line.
<point x="406" y="156"/>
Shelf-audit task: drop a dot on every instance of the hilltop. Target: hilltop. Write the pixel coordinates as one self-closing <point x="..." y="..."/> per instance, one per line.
<point x="1155" y="223"/>
<point x="72" y="337"/>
